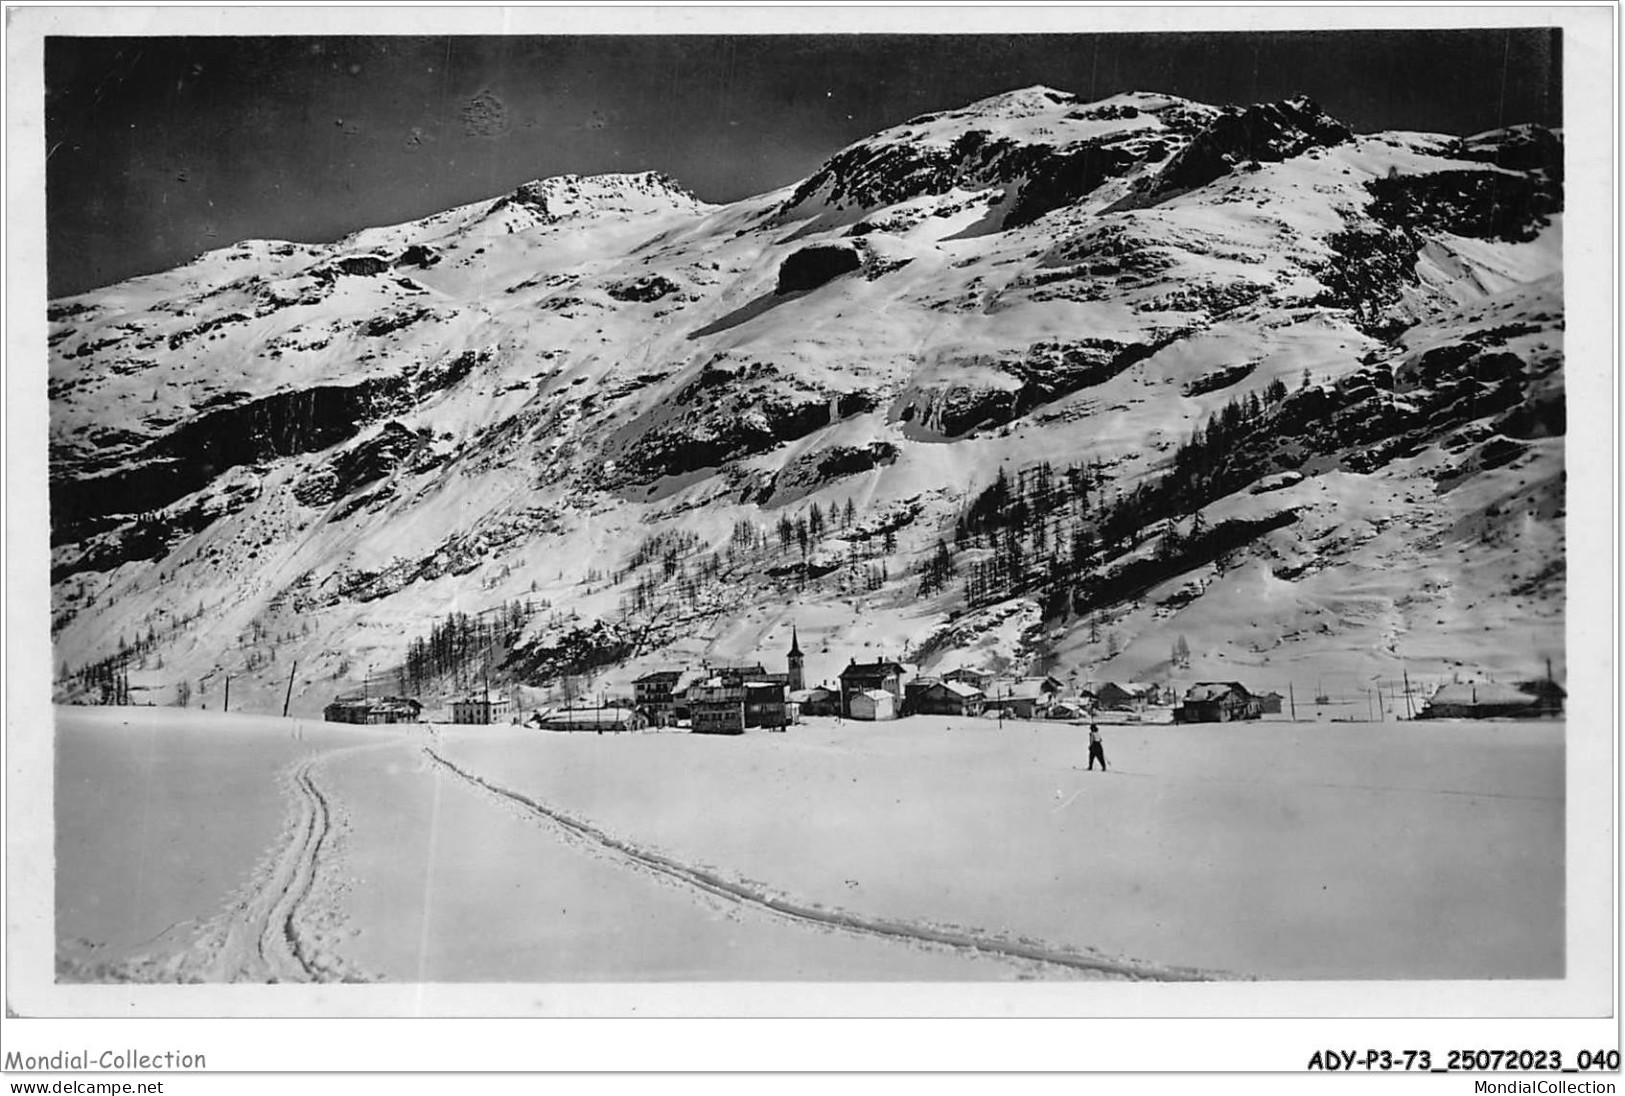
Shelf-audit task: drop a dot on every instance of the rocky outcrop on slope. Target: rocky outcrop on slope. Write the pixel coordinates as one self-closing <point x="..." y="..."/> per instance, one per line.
<point x="1045" y="372"/>
<point x="94" y="493"/>
<point x="812" y="266"/>
<point x="359" y="465"/>
<point x="1263" y="132"/>
<point x="725" y="412"/>
<point x="1374" y="257"/>
<point x="561" y="197"/>
<point x="187" y="458"/>
<point x="1484" y="204"/>
<point x="810" y="471"/>
<point x="650" y="287"/>
<point x="1039" y="175"/>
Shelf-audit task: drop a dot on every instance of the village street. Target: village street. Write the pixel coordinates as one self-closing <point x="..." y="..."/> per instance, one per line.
<point x="198" y="846"/>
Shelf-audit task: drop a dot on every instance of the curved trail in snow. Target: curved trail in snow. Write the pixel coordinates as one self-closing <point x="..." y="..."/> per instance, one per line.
<point x="266" y="936"/>
<point x="712" y="883"/>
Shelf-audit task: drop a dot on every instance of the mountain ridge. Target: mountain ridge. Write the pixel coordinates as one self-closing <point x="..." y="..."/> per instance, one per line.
<point x="507" y="401"/>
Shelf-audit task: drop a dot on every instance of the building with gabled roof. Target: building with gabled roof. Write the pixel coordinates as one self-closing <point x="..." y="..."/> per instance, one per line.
<point x="1124" y="696"/>
<point x="717" y="706"/>
<point x="1481" y="700"/>
<point x="818" y="700"/>
<point x="374" y="709"/>
<point x="479" y="708"/>
<point x="882" y="674"/>
<point x="872" y="704"/>
<point x="1021" y="698"/>
<point x="1218" y="702"/>
<point x="980" y="679"/>
<point x="933" y="696"/>
<point x="652" y="694"/>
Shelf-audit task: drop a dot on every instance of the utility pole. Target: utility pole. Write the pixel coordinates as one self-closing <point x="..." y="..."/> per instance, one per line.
<point x="226" y="707"/>
<point x="1409" y="711"/>
<point x="1292" y="698"/>
<point x="289" y="698"/>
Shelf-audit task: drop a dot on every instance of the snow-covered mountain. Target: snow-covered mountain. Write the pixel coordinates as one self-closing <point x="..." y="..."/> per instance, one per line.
<point x="1145" y="369"/>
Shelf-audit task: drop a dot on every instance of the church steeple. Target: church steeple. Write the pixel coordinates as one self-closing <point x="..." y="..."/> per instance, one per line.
<point x="794" y="678"/>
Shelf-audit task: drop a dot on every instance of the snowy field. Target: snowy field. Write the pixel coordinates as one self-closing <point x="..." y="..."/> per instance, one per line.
<point x="198" y="846"/>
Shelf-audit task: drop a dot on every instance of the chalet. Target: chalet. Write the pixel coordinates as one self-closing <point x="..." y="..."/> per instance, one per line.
<point x="965" y="675"/>
<point x="1127" y="696"/>
<point x="652" y="694"/>
<point x="717" y="706"/>
<point x="376" y="709"/>
<point x="589" y="719"/>
<point x="1270" y="703"/>
<point x="1026" y="698"/>
<point x="818" y="700"/>
<point x="765" y="705"/>
<point x="873" y="704"/>
<point x="488" y="708"/>
<point x="931" y="696"/>
<point x="1481" y="700"/>
<point x="882" y="675"/>
<point x="1066" y="709"/>
<point x="1218" y="702"/>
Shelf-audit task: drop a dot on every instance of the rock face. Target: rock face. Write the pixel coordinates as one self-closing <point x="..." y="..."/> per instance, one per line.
<point x="1044" y="373"/>
<point x="358" y="465"/>
<point x="190" y="456"/>
<point x="811" y="267"/>
<point x="1042" y="146"/>
<point x="605" y="398"/>
<point x="1262" y="133"/>
<point x="1485" y="205"/>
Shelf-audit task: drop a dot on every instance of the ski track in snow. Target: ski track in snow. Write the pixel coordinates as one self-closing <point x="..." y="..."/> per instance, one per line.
<point x="711" y="883"/>
<point x="270" y="934"/>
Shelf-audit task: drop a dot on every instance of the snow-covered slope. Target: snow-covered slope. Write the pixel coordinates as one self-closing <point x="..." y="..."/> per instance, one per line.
<point x="597" y="415"/>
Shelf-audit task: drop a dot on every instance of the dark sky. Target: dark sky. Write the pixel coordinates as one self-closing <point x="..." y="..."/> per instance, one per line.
<point x="161" y="148"/>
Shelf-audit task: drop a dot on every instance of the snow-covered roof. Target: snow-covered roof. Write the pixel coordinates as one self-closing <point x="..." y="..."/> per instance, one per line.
<point x="1214" y="690"/>
<point x="375" y="702"/>
<point x="1028" y="688"/>
<point x="588" y="716"/>
<point x="1132" y="688"/>
<point x="687" y="678"/>
<point x="959" y="688"/>
<point x="876" y="695"/>
<point x="1484" y="692"/>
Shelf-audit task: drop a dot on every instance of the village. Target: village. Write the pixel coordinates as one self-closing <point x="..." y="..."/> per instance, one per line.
<point x="731" y="699"/>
